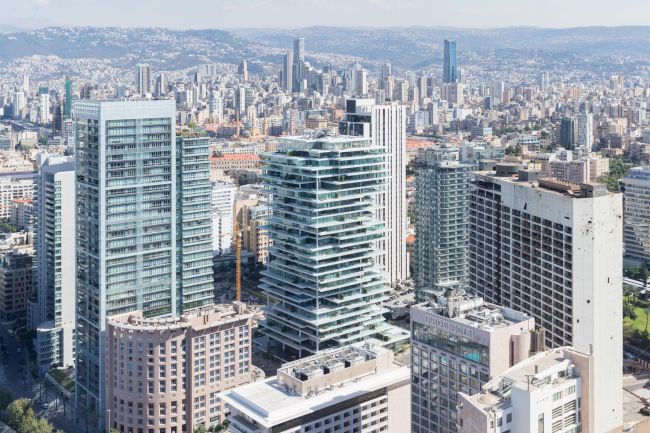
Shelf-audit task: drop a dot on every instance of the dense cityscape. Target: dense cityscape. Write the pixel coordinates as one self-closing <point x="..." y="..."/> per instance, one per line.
<point x="324" y="230"/>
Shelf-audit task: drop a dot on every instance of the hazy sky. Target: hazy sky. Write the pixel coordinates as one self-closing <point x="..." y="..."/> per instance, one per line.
<point x="349" y="13"/>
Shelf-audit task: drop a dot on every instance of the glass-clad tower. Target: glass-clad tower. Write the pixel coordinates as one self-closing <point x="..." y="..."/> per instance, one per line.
<point x="442" y="223"/>
<point x="143" y="224"/>
<point x="322" y="276"/>
<point x="449" y="63"/>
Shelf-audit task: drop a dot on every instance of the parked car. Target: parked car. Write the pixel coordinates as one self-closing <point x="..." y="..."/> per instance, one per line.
<point x="45" y="405"/>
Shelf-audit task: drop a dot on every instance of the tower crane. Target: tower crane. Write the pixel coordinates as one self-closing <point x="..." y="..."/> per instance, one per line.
<point x="238" y="234"/>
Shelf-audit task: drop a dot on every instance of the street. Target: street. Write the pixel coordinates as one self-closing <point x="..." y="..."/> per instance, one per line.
<point x="18" y="383"/>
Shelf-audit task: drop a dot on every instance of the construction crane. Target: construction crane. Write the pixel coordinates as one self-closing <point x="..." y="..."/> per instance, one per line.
<point x="237" y="235"/>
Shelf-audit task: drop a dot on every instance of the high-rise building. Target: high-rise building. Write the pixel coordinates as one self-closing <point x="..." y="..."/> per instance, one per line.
<point x="44" y="108"/>
<point x="243" y="69"/>
<point x="143" y="230"/>
<point x="323" y="275"/>
<point x="287" y="71"/>
<point x="298" y="73"/>
<point x="458" y="343"/>
<point x="26" y="84"/>
<point x="161" y="85"/>
<point x="55" y="252"/>
<point x="223" y="202"/>
<point x="552" y="250"/>
<point x="386" y="71"/>
<point x="360" y="389"/>
<point x="143" y="80"/>
<point x="386" y="126"/>
<point x="216" y="107"/>
<point x="449" y="65"/>
<point x="586" y="130"/>
<point x="551" y="390"/>
<point x="636" y="204"/>
<point x="213" y="345"/>
<point x="441" y="222"/>
<point x="569" y="132"/>
<point x="67" y="104"/>
<point x="543" y="80"/>
<point x="18" y="104"/>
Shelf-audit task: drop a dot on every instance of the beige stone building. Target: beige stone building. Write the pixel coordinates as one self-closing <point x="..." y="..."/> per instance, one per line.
<point x="164" y="374"/>
<point x="253" y="214"/>
<point x="235" y="162"/>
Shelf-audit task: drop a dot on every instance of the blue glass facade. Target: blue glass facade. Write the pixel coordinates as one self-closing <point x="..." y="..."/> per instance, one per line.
<point x="449" y="67"/>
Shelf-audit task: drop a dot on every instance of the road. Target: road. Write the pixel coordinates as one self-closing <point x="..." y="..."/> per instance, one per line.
<point x="18" y="383"/>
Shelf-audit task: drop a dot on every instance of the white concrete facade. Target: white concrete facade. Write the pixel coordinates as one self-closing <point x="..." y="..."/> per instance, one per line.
<point x="366" y="391"/>
<point x="559" y="260"/>
<point x="386" y="126"/>
<point x="55" y="250"/>
<point x="550" y="391"/>
<point x="223" y="202"/>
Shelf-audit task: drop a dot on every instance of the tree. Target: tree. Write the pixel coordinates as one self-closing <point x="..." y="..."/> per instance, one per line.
<point x="19" y="411"/>
<point x="33" y="371"/>
<point x="644" y="274"/>
<point x="47" y="383"/>
<point x="6" y="397"/>
<point x="646" y="311"/>
<point x="191" y="125"/>
<point x="200" y="429"/>
<point x="629" y="311"/>
<point x="42" y="139"/>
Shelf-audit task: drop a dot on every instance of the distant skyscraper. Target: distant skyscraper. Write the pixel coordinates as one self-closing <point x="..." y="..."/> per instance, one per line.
<point x="543" y="80"/>
<point x="441" y="223"/>
<point x="586" y="130"/>
<point x="569" y="132"/>
<point x="132" y="225"/>
<point x="298" y="63"/>
<point x="386" y="70"/>
<point x="143" y="80"/>
<point x="18" y="104"/>
<point x="449" y="65"/>
<point x="67" y="105"/>
<point x="26" y="84"/>
<point x="287" y="71"/>
<point x="161" y="85"/>
<point x="216" y="107"/>
<point x="243" y="69"/>
<point x="44" y="108"/>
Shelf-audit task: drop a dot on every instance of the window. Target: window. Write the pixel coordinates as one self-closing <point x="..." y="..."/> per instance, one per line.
<point x="508" y="418"/>
<point x="540" y="423"/>
<point x="571" y="390"/>
<point x="557" y="396"/>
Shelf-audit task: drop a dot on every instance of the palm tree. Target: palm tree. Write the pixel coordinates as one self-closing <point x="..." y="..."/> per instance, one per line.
<point x="47" y="383"/>
<point x="646" y="311"/>
<point x="32" y="368"/>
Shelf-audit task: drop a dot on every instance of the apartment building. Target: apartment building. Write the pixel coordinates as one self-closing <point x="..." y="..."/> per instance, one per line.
<point x="552" y="250"/>
<point x="164" y="374"/>
<point x="17" y="273"/>
<point x="637" y="216"/>
<point x="22" y="212"/>
<point x="359" y="388"/>
<point x="10" y="189"/>
<point x="441" y="222"/>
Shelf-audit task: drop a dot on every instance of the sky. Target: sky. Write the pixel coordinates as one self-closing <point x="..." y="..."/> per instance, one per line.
<point x="220" y="14"/>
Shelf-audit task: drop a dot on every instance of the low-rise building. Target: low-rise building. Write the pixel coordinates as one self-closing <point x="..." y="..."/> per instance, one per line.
<point x="234" y="162"/>
<point x="359" y="388"/>
<point x="164" y="374"/>
<point x="551" y="391"/>
<point x="21" y="212"/>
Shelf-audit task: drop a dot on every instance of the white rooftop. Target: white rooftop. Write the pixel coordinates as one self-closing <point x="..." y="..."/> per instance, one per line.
<point x="268" y="403"/>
